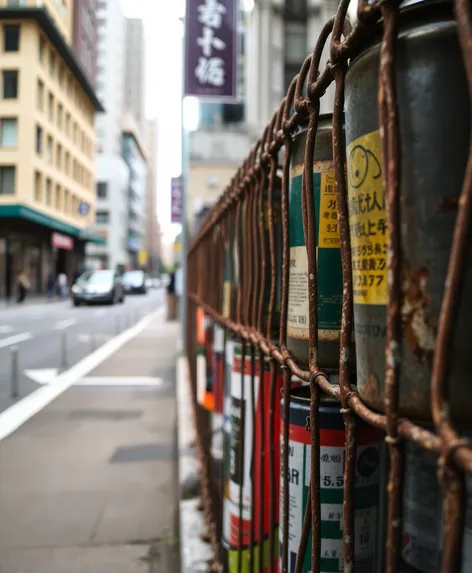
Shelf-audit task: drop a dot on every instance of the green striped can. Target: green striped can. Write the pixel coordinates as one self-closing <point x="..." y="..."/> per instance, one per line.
<point x="367" y="491"/>
<point x="327" y="243"/>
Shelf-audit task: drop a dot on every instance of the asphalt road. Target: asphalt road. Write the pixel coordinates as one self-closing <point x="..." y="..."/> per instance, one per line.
<point x="37" y="331"/>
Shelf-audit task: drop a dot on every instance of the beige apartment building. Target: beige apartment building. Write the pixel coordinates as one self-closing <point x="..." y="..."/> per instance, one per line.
<point x="47" y="145"/>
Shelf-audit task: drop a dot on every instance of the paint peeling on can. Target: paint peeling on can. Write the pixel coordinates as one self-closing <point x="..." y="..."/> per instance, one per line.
<point x="430" y="77"/>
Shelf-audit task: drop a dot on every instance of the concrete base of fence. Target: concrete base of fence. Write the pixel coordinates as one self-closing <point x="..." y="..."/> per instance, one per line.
<point x="195" y="555"/>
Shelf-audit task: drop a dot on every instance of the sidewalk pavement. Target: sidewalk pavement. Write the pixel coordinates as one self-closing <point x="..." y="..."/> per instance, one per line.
<point x="89" y="483"/>
<point x="195" y="554"/>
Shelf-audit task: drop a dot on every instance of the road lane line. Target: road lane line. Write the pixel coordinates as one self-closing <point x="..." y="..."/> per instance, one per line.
<point x="62" y="324"/>
<point x="16" y="339"/>
<point x="119" y="381"/>
<point x="15" y="416"/>
<point x="5" y="329"/>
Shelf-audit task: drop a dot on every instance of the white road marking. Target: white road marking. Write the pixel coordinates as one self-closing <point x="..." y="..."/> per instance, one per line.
<point x="43" y="375"/>
<point x="85" y="338"/>
<point x="62" y="324"/>
<point x="5" y="329"/>
<point x="15" y="416"/>
<point x="119" y="381"/>
<point x="16" y="339"/>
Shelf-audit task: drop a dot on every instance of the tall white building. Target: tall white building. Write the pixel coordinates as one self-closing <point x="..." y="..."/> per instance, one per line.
<point x="120" y="209"/>
<point x="279" y="36"/>
<point x="134" y="70"/>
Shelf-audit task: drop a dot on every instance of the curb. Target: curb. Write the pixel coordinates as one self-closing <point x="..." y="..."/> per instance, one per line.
<point x="195" y="555"/>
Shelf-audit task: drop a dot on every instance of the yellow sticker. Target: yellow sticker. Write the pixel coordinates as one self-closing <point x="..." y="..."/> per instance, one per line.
<point x="367" y="220"/>
<point x="226" y="299"/>
<point x="328" y="228"/>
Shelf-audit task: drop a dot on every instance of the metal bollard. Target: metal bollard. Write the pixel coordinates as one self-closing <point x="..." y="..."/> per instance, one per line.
<point x="15" y="379"/>
<point x="64" y="360"/>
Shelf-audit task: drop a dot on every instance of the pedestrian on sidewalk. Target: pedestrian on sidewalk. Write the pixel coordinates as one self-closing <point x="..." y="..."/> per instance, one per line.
<point x="50" y="284"/>
<point x="23" y="286"/>
<point x="62" y="284"/>
<point x="171" y="298"/>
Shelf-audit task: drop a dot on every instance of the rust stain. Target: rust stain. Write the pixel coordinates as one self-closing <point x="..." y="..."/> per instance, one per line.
<point x="370" y="389"/>
<point x="418" y="324"/>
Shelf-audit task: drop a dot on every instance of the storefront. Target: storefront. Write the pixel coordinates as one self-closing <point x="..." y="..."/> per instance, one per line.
<point x="27" y="246"/>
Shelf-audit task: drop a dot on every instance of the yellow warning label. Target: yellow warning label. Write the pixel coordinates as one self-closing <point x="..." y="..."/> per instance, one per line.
<point x="367" y="220"/>
<point x="329" y="228"/>
<point x="226" y="299"/>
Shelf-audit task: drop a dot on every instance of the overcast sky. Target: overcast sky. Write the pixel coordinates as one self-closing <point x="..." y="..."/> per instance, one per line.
<point x="163" y="34"/>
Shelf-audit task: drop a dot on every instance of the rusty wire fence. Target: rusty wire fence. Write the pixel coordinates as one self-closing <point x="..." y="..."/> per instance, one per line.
<point x="401" y="340"/>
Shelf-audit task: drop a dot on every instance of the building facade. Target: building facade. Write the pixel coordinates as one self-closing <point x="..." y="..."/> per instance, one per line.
<point x="135" y="157"/>
<point x="153" y="229"/>
<point x="134" y="70"/>
<point x="84" y="36"/>
<point x="279" y="36"/>
<point x="47" y="140"/>
<point x="112" y="172"/>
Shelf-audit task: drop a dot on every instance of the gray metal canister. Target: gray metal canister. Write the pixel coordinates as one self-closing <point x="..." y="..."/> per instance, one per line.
<point x="434" y="126"/>
<point x="329" y="277"/>
<point x="422" y="535"/>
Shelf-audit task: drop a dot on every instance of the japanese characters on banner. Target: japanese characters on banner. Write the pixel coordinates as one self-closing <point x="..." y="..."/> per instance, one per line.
<point x="176" y="199"/>
<point x="211" y="49"/>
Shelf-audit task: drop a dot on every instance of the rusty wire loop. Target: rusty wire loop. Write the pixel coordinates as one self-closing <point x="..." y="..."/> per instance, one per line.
<point x="238" y="245"/>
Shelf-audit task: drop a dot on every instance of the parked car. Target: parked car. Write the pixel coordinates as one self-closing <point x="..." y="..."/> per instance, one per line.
<point x="134" y="282"/>
<point x="103" y="286"/>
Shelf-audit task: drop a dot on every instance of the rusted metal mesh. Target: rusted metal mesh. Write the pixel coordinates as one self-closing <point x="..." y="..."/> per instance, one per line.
<point x="254" y="325"/>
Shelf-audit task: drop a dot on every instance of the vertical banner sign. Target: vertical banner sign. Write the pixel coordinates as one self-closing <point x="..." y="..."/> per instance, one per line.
<point x="211" y="49"/>
<point x="176" y="199"/>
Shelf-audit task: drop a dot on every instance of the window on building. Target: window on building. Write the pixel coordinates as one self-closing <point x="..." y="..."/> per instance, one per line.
<point x="64" y="9"/>
<point x="102" y="190"/>
<point x="8" y="132"/>
<point x="296" y="10"/>
<point x="49" y="149"/>
<point x="37" y="186"/>
<point x="42" y="47"/>
<point x="11" y="38"/>
<point x="295" y="42"/>
<point x="58" y="198"/>
<point x="59" y="156"/>
<point x="60" y="115"/>
<point x="60" y="75"/>
<point x="51" y="107"/>
<point x="52" y="64"/>
<point x="7" y="180"/>
<point x="66" y="201"/>
<point x="48" y="192"/>
<point x="10" y="84"/>
<point x="102" y="217"/>
<point x="67" y="163"/>
<point x="40" y="96"/>
<point x="39" y="140"/>
<point x="69" y="86"/>
<point x="68" y="124"/>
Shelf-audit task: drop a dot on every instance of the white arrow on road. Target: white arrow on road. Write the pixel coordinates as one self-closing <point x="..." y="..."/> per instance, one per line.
<point x="48" y="376"/>
<point x="43" y="375"/>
